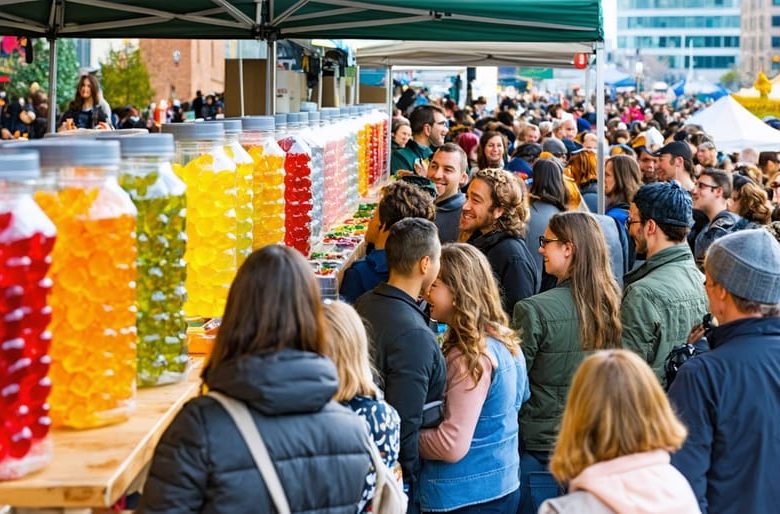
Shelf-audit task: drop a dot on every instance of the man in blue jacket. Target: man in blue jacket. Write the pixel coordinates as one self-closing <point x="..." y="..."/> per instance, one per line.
<point x="399" y="200"/>
<point x="729" y="398"/>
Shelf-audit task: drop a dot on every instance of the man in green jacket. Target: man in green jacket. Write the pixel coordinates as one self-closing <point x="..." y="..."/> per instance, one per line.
<point x="429" y="127"/>
<point x="664" y="298"/>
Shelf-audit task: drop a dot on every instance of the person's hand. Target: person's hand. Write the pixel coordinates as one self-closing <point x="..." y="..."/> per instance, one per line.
<point x="5" y="134"/>
<point x="68" y="124"/>
<point x="696" y="334"/>
<point x="403" y="173"/>
<point x="102" y="125"/>
<point x="421" y="168"/>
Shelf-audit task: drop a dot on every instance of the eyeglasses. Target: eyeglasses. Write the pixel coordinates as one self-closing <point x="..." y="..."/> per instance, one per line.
<point x="443" y="123"/>
<point x="701" y="185"/>
<point x="543" y="241"/>
<point x="630" y="222"/>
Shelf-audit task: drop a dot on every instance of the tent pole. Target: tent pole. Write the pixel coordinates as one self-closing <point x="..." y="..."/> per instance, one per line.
<point x="319" y="86"/>
<point x="270" y="78"/>
<point x="600" y="116"/>
<point x="389" y="106"/>
<point x="52" y="85"/>
<point x="356" y="95"/>
<point x="241" y="76"/>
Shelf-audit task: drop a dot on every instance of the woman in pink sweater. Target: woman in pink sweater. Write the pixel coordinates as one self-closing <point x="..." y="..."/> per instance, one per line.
<point x="470" y="460"/>
<point x="613" y="447"/>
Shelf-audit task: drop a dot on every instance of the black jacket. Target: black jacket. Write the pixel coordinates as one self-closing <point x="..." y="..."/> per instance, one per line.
<point x="202" y="464"/>
<point x="513" y="265"/>
<point x="448" y="217"/>
<point x="408" y="360"/>
<point x="729" y="399"/>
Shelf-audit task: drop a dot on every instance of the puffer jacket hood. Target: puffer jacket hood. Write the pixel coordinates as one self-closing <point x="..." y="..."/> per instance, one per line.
<point x="279" y="383"/>
<point x="642" y="483"/>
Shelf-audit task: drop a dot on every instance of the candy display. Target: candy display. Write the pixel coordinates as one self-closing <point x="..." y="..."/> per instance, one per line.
<point x="26" y="240"/>
<point x="210" y="176"/>
<point x="159" y="196"/>
<point x="333" y="179"/>
<point x="257" y="137"/>
<point x="244" y="187"/>
<point x="314" y="137"/>
<point x="338" y="247"/>
<point x="93" y="299"/>
<point x="297" y="186"/>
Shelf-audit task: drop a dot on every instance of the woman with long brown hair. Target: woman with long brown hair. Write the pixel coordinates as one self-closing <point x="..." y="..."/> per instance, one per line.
<point x="559" y="327"/>
<point x="85" y="111"/>
<point x="492" y="150"/>
<point x="616" y="435"/>
<point x="269" y="354"/>
<point x="470" y="460"/>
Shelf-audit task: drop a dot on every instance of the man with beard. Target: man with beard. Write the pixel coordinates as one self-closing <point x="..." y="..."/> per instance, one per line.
<point x="429" y="126"/>
<point x="495" y="217"/>
<point x="664" y="298"/>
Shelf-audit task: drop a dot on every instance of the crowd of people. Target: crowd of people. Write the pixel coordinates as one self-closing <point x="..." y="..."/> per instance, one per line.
<point x="27" y="117"/>
<point x="506" y="348"/>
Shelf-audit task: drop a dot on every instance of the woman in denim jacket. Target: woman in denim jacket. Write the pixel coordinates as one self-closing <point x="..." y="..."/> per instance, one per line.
<point x="470" y="460"/>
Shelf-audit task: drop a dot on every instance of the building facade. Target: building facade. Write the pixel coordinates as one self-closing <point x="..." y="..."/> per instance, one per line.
<point x="760" y="42"/>
<point x="180" y="67"/>
<point x="672" y="36"/>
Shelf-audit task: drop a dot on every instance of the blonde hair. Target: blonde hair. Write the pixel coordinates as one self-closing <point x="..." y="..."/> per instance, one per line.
<point x="466" y="272"/>
<point x="348" y="349"/>
<point x="615" y="407"/>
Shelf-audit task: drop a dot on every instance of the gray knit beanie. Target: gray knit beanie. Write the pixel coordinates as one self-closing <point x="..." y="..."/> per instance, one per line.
<point x="747" y="265"/>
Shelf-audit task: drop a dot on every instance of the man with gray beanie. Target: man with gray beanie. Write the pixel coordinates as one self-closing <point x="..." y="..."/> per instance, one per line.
<point x="729" y="398"/>
<point x="664" y="298"/>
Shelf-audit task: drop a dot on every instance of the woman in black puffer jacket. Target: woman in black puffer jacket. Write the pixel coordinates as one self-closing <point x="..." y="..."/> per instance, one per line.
<point x="268" y="354"/>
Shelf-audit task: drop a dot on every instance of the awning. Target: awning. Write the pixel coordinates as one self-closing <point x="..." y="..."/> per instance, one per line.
<point x="432" y="20"/>
<point x="434" y="53"/>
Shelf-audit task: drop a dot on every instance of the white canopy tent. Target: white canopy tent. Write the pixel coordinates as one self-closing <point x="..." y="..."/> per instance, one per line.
<point x="734" y="128"/>
<point x="437" y="53"/>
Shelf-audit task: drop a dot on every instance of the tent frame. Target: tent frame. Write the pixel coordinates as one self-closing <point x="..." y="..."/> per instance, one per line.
<point x="263" y="26"/>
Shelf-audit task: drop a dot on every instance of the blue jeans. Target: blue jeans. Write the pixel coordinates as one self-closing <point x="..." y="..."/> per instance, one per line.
<point x="505" y="505"/>
<point x="536" y="482"/>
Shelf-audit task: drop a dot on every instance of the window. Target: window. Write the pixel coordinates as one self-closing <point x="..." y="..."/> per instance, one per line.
<point x="776" y="21"/>
<point x="775" y="42"/>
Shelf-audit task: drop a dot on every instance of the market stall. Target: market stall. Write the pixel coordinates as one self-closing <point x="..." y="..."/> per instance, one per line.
<point x="94" y="468"/>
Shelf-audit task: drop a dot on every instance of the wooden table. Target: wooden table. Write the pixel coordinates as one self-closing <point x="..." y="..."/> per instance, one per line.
<point x="94" y="468"/>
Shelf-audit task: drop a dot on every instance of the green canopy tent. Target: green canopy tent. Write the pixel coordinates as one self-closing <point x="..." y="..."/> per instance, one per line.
<point x="451" y="21"/>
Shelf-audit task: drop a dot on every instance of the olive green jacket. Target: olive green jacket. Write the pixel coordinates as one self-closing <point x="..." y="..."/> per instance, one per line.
<point x="550" y="338"/>
<point x="662" y="301"/>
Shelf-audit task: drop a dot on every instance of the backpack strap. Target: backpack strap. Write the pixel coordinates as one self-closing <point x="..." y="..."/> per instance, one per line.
<point x="239" y="412"/>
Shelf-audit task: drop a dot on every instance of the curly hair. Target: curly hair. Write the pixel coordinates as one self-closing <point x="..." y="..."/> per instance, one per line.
<point x="753" y="204"/>
<point x="403" y="200"/>
<point x="507" y="193"/>
<point x="466" y="272"/>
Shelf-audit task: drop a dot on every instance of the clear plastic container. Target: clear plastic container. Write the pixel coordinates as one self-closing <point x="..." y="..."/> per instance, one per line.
<point x="297" y="186"/>
<point x="211" y="179"/>
<point x="257" y="138"/>
<point x="93" y="299"/>
<point x="244" y="186"/>
<point x="160" y="198"/>
<point x="26" y="241"/>
<point x="316" y="141"/>
<point x="364" y="151"/>
<point x="332" y="165"/>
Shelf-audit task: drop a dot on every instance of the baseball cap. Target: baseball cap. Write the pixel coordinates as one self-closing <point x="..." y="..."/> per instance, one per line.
<point x="677" y="149"/>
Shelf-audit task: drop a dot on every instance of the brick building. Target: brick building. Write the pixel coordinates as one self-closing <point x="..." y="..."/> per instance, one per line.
<point x="180" y="67"/>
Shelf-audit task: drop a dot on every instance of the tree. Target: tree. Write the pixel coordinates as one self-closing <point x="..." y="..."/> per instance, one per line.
<point x="125" y="78"/>
<point x="23" y="74"/>
<point x="731" y="79"/>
